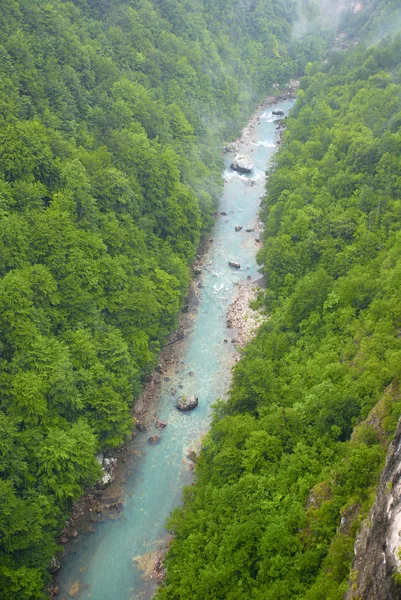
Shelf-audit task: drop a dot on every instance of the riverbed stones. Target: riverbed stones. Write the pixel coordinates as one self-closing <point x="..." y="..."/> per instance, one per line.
<point x="185" y="403"/>
<point x="160" y="424"/>
<point x="234" y="264"/>
<point x="242" y="164"/>
<point x="278" y="112"/>
<point x="154" y="439"/>
<point x="75" y="590"/>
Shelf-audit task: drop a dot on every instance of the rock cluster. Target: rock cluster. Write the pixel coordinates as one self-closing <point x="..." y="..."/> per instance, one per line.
<point x="109" y="467"/>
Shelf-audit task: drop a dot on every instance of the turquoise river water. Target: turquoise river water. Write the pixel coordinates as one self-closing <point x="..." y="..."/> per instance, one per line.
<point x="103" y="561"/>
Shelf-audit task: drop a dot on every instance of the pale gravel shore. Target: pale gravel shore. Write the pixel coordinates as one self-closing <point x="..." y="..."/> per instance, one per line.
<point x="241" y="316"/>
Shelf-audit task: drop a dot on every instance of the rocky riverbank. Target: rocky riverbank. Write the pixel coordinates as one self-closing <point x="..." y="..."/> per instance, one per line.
<point x="241" y="317"/>
<point x="287" y="92"/>
<point x="103" y="503"/>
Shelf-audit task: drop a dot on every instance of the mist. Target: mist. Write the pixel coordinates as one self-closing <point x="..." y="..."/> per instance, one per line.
<point x="322" y="14"/>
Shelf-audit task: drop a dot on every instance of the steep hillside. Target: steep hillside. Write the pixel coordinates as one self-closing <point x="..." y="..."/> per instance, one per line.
<point x="376" y="564"/>
<point x="373" y="20"/>
<point x="285" y="476"/>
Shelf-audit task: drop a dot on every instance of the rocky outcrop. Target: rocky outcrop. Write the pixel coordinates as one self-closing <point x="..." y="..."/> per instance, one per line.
<point x="242" y="164"/>
<point x="377" y="545"/>
<point x="54" y="564"/>
<point x="109" y="467"/>
<point x="185" y="403"/>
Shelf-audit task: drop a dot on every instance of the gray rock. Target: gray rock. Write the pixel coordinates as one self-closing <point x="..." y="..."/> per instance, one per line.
<point x="185" y="403"/>
<point x="160" y="424"/>
<point x="238" y="228"/>
<point x="376" y="551"/>
<point x="54" y="564"/>
<point x="278" y="112"/>
<point x="234" y="264"/>
<point x="242" y="164"/>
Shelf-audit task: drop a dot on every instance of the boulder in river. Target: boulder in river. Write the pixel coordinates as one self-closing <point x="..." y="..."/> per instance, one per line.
<point x="75" y="590"/>
<point x="185" y="403"/>
<point x="238" y="227"/>
<point x="234" y="264"/>
<point x="160" y="424"/>
<point x="242" y="164"/>
<point x="154" y="439"/>
<point x="278" y="112"/>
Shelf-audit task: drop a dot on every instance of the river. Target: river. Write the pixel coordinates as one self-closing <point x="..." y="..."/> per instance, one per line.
<point x="104" y="560"/>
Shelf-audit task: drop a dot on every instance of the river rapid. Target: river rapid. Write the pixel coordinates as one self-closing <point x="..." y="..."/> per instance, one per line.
<point x="114" y="559"/>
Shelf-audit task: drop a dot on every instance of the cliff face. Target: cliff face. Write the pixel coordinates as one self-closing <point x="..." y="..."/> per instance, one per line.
<point x="376" y="548"/>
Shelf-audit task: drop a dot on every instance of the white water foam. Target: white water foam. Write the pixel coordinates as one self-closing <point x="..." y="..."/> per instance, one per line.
<point x="264" y="144"/>
<point x="259" y="175"/>
<point x="230" y="173"/>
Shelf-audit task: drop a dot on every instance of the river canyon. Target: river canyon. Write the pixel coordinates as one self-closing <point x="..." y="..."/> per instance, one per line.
<point x="114" y="558"/>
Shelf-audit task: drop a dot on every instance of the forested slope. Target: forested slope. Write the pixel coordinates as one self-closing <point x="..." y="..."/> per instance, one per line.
<point x="282" y="485"/>
<point x="112" y="113"/>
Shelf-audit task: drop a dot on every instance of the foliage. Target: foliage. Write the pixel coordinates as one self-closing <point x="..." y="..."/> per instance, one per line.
<point x="281" y="483"/>
<point x="112" y="115"/>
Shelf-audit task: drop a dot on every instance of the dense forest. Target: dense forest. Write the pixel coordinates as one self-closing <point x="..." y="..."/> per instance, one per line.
<point x="112" y="116"/>
<point x="290" y="466"/>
